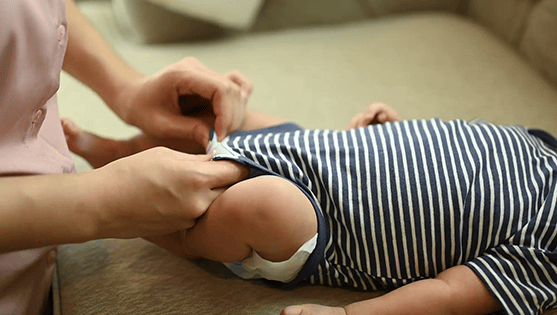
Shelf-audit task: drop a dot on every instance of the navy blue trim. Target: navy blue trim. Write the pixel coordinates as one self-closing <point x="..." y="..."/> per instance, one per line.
<point x="286" y="127"/>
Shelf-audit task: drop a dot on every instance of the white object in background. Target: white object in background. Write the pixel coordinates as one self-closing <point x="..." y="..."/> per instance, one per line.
<point x="240" y="14"/>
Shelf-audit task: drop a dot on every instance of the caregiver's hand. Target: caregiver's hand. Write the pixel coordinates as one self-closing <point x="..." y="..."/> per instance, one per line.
<point x="159" y="191"/>
<point x="154" y="192"/>
<point x="152" y="103"/>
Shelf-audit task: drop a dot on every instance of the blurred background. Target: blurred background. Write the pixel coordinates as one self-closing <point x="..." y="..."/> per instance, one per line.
<point x="319" y="62"/>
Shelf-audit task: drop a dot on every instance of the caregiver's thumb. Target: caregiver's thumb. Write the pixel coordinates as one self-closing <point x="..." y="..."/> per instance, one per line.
<point x="221" y="174"/>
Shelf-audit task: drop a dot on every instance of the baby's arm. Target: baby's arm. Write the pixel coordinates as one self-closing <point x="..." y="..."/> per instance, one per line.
<point x="457" y="290"/>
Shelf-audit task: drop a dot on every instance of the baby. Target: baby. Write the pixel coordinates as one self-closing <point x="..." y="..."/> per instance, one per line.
<point x="456" y="217"/>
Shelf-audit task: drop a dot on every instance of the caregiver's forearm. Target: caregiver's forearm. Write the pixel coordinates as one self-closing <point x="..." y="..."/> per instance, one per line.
<point x="91" y="60"/>
<point x="41" y="210"/>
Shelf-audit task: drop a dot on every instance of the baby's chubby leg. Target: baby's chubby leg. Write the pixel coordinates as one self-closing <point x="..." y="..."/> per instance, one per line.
<point x="267" y="214"/>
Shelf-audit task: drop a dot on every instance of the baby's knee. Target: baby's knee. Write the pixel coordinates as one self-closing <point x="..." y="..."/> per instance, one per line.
<point x="274" y="216"/>
<point x="265" y="200"/>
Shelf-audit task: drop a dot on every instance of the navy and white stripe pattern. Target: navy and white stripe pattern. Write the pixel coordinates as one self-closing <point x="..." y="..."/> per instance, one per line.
<point x="399" y="202"/>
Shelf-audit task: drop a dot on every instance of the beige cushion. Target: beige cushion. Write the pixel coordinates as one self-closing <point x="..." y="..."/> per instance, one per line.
<point x="506" y="18"/>
<point x="539" y="42"/>
<point x="136" y="277"/>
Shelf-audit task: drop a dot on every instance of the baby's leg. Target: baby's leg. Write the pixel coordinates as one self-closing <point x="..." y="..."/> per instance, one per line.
<point x="99" y="151"/>
<point x="267" y="214"/>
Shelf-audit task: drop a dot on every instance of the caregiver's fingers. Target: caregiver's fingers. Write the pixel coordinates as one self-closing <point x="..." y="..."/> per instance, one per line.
<point x="221" y="174"/>
<point x="244" y="83"/>
<point x="226" y="97"/>
<point x="214" y="193"/>
<point x="228" y="93"/>
<point x="191" y="63"/>
<point x="229" y="113"/>
<point x="197" y="128"/>
<point x="206" y="84"/>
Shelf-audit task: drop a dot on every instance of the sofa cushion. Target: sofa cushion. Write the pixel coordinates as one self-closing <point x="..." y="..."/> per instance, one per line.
<point x="136" y="277"/>
<point x="506" y="18"/>
<point x="539" y="42"/>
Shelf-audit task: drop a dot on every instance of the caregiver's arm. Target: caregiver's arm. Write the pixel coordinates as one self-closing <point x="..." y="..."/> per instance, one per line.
<point x="151" y="103"/>
<point x="457" y="290"/>
<point x="151" y="193"/>
<point x="45" y="210"/>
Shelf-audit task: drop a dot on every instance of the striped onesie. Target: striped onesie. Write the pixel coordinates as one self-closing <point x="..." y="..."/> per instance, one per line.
<point x="400" y="202"/>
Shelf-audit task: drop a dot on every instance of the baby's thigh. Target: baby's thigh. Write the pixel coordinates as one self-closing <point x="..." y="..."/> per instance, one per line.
<point x="272" y="215"/>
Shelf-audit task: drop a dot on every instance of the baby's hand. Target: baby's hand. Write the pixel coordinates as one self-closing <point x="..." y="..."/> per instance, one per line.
<point x="312" y="309"/>
<point x="376" y="113"/>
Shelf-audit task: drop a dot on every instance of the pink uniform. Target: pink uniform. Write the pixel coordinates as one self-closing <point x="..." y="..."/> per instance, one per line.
<point x="33" y="39"/>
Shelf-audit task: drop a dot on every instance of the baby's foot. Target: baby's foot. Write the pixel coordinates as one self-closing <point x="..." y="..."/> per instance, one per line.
<point x="96" y="150"/>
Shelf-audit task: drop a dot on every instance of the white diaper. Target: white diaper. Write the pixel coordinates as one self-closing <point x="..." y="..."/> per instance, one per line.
<point x="255" y="267"/>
